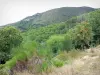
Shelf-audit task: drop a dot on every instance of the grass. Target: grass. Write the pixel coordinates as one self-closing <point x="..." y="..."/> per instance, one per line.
<point x="70" y="63"/>
<point x="61" y="59"/>
<point x="58" y="63"/>
<point x="28" y="50"/>
<point x="68" y="57"/>
<point x="21" y="53"/>
<point x="4" y="71"/>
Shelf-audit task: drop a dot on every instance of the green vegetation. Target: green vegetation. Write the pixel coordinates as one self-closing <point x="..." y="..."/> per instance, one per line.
<point x="50" y="17"/>
<point x="81" y="35"/>
<point x="4" y="72"/>
<point x="58" y="63"/>
<point x="55" y="43"/>
<point x="22" y="52"/>
<point x="9" y="38"/>
<point x="52" y="45"/>
<point x="67" y="43"/>
<point x="95" y="23"/>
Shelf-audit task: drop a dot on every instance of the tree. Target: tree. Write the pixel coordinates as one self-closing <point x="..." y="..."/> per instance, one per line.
<point x="81" y="35"/>
<point x="9" y="37"/>
<point x="55" y="43"/>
<point x="67" y="43"/>
<point x="94" y="20"/>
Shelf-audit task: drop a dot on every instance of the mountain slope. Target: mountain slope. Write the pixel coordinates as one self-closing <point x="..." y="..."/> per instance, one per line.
<point x="52" y="16"/>
<point x="87" y="63"/>
<point x="42" y="33"/>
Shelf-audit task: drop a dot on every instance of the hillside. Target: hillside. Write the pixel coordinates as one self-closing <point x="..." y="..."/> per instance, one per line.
<point x="51" y="16"/>
<point x="68" y="47"/>
<point x="43" y="33"/>
<point x="86" y="64"/>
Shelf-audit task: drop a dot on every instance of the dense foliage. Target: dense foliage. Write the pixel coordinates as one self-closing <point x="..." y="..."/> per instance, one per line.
<point x="78" y="37"/>
<point x="94" y="20"/>
<point x="50" y="17"/>
<point x="48" y="42"/>
<point x="9" y="38"/>
<point x="43" y="33"/>
<point x="81" y="35"/>
<point x="55" y="43"/>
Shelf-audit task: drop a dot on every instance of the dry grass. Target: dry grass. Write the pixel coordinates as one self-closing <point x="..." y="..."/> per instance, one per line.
<point x="86" y="64"/>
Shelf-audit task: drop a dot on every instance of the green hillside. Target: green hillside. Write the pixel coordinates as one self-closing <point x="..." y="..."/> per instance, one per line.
<point x="50" y="17"/>
<point x="48" y="45"/>
<point x="42" y="33"/>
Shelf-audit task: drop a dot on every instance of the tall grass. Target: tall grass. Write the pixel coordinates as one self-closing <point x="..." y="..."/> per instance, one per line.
<point x="22" y="52"/>
<point x="57" y="62"/>
<point x="68" y="57"/>
<point x="46" y="55"/>
<point x="4" y="71"/>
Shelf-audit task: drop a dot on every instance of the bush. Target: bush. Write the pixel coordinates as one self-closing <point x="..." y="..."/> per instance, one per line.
<point x="55" y="43"/>
<point x="9" y="37"/>
<point x="21" y="53"/>
<point x="45" y="53"/>
<point x="94" y="20"/>
<point x="44" y="66"/>
<point x="67" y="43"/>
<point x="58" y="63"/>
<point x="63" y="56"/>
<point x="68" y="57"/>
<point x="1" y="66"/>
<point x="81" y="35"/>
<point x="11" y="63"/>
<point x="4" y="71"/>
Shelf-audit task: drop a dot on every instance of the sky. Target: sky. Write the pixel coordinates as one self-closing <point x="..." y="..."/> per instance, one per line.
<point x="14" y="10"/>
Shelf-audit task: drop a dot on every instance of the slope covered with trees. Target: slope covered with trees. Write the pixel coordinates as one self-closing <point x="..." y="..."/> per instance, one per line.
<point x="50" y="17"/>
<point x="9" y="38"/>
<point x="43" y="33"/>
<point x="52" y="45"/>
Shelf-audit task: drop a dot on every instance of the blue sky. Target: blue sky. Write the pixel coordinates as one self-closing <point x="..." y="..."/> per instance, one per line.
<point x="15" y="10"/>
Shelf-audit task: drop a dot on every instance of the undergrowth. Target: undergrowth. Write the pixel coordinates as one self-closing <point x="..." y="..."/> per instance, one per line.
<point x="21" y="53"/>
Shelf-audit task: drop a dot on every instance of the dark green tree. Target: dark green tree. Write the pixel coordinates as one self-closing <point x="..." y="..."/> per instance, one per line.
<point x="94" y="20"/>
<point x="81" y="35"/>
<point x="9" y="37"/>
<point x="67" y="43"/>
<point x="55" y="43"/>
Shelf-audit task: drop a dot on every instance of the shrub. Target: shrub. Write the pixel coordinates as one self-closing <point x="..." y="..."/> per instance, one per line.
<point x="55" y="43"/>
<point x="68" y="57"/>
<point x="45" y="53"/>
<point x="11" y="63"/>
<point x="9" y="37"/>
<point x="67" y="43"/>
<point x="1" y="66"/>
<point x="63" y="56"/>
<point x="4" y="71"/>
<point x="81" y="35"/>
<point x="94" y="20"/>
<point x="21" y="53"/>
<point x="58" y="63"/>
<point x="44" y="66"/>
